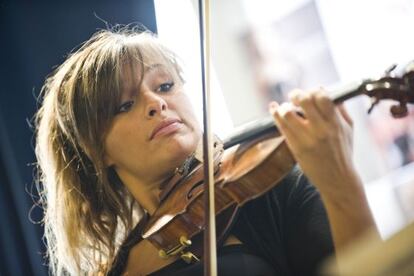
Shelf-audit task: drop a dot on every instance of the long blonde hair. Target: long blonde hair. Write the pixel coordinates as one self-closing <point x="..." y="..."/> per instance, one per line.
<point x="87" y="211"/>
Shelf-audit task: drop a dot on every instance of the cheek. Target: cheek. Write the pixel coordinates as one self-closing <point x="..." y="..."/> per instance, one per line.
<point x="117" y="144"/>
<point x="110" y="147"/>
<point x="186" y="111"/>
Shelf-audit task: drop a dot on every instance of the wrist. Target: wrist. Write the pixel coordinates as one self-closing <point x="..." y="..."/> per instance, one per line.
<point x="346" y="187"/>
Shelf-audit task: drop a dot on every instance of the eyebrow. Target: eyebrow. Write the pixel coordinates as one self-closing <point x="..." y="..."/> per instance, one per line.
<point x="153" y="67"/>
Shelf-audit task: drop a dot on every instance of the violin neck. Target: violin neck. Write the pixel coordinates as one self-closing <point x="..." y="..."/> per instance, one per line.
<point x="345" y="92"/>
<point x="250" y="131"/>
<point x="258" y="128"/>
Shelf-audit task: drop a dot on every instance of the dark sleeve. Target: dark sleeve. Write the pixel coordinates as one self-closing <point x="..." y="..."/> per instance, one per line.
<point x="287" y="226"/>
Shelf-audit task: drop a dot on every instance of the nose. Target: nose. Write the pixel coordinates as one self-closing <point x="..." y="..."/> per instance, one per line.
<point x="155" y="104"/>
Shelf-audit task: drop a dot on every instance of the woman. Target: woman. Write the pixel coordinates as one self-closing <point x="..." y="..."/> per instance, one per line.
<point x="114" y="125"/>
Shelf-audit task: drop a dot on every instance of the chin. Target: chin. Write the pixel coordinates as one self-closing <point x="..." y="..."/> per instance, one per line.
<point x="183" y="145"/>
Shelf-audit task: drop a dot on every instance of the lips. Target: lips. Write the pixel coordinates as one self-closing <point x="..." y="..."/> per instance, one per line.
<point x="165" y="127"/>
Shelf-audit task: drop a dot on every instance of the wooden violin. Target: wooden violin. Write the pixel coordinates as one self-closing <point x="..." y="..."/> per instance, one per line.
<point x="250" y="163"/>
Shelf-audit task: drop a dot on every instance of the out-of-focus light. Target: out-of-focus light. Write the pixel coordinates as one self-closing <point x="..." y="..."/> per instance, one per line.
<point x="177" y="24"/>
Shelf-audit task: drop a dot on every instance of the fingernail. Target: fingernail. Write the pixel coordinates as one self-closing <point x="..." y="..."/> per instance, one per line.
<point x="273" y="106"/>
<point x="295" y="93"/>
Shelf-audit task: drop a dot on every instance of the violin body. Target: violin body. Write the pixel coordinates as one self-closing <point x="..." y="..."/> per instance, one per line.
<point x="245" y="172"/>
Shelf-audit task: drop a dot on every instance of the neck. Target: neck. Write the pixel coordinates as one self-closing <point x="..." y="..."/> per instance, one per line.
<point x="148" y="199"/>
<point x="146" y="192"/>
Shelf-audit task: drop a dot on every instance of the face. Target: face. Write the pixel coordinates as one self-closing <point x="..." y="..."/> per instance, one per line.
<point x="155" y="128"/>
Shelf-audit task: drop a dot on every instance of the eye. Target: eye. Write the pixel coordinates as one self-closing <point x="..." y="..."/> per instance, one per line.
<point x="125" y="107"/>
<point x="166" y="87"/>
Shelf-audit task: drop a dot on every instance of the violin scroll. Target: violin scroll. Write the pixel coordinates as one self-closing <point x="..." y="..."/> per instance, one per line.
<point x="397" y="84"/>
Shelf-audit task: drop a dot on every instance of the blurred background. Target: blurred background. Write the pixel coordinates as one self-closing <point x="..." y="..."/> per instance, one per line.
<point x="260" y="50"/>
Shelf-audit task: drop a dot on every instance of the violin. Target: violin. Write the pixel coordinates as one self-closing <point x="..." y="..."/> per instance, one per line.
<point x="247" y="165"/>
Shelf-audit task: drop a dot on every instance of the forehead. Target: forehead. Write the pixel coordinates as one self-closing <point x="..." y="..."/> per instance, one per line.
<point x="134" y="74"/>
<point x="144" y="57"/>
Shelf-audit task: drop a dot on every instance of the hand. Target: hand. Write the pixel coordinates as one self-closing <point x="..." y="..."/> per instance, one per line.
<point x="321" y="141"/>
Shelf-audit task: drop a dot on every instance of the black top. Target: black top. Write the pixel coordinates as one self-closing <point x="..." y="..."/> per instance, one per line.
<point x="287" y="228"/>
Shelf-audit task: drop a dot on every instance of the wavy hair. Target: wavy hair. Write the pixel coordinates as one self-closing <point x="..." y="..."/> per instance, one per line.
<point x="88" y="212"/>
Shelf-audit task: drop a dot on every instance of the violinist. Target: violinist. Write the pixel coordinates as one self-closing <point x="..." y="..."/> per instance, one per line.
<point x="115" y="123"/>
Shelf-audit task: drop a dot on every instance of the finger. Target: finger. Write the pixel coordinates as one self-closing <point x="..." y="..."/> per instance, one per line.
<point x="288" y="121"/>
<point x="344" y="113"/>
<point x="307" y="102"/>
<point x="294" y="96"/>
<point x="324" y="104"/>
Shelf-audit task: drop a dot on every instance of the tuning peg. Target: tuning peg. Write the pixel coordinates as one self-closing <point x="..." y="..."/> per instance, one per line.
<point x="374" y="102"/>
<point x="390" y="69"/>
<point x="399" y="110"/>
